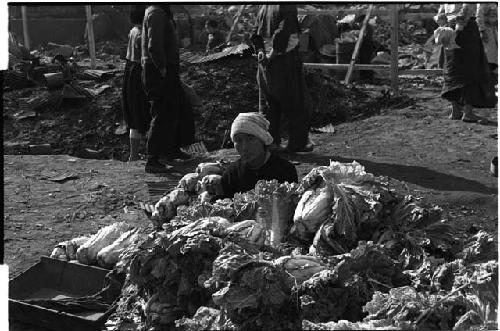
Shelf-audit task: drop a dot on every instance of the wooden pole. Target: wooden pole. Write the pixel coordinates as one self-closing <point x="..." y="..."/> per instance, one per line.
<point x="343" y="66"/>
<point x="25" y="28"/>
<point x="394" y="48"/>
<point x="361" y="67"/>
<point x="90" y="34"/>
<point x="358" y="45"/>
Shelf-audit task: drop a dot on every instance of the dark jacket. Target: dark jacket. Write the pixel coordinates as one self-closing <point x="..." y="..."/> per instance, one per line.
<point x="160" y="41"/>
<point x="240" y="178"/>
<point x="278" y="22"/>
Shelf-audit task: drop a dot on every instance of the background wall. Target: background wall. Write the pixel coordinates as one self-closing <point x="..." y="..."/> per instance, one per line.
<point x="66" y="24"/>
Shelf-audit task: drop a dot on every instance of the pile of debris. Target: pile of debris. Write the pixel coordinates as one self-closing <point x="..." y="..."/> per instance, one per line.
<point x="88" y="105"/>
<point x="68" y="106"/>
<point x="341" y="250"/>
<point x="53" y="98"/>
<point x="416" y="25"/>
<point x="226" y="87"/>
<point x="410" y="31"/>
<point x="335" y="103"/>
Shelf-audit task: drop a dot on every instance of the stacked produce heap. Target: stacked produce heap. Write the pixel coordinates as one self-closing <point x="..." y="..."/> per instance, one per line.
<point x="339" y="250"/>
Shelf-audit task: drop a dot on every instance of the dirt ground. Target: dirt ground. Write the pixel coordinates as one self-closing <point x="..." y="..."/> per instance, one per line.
<point x="443" y="161"/>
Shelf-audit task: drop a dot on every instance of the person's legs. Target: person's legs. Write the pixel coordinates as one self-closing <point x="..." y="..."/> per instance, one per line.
<point x="468" y="96"/>
<point x="298" y="105"/>
<point x="155" y="137"/>
<point x="494" y="72"/>
<point x="456" y="111"/>
<point x="469" y="115"/>
<point x="135" y="140"/>
<point x="298" y="126"/>
<point x="139" y="113"/>
<point x="155" y="88"/>
<point x="172" y="122"/>
<point x="187" y="130"/>
<point x="273" y="115"/>
<point x="270" y="107"/>
<point x="126" y="91"/>
<point x="493" y="67"/>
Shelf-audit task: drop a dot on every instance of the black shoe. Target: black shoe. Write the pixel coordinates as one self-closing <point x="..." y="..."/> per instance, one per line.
<point x="177" y="154"/>
<point x="153" y="166"/>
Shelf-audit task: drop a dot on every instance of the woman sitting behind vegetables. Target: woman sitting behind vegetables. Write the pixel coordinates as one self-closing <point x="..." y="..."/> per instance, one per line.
<point x="251" y="138"/>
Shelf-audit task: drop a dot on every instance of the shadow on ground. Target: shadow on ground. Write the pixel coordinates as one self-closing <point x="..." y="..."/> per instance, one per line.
<point x="413" y="174"/>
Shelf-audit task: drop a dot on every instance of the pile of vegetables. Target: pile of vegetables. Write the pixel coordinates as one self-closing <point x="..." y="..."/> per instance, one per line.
<point x="103" y="248"/>
<point x="339" y="250"/>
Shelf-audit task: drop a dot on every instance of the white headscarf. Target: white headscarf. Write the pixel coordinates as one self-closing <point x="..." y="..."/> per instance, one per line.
<point x="254" y="124"/>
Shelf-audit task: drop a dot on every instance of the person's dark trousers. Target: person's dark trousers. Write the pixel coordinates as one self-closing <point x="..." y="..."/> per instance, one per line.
<point x="164" y="96"/>
<point x="493" y="67"/>
<point x="284" y="87"/>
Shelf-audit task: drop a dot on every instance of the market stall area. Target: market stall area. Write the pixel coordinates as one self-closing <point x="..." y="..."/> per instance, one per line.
<point x="392" y="225"/>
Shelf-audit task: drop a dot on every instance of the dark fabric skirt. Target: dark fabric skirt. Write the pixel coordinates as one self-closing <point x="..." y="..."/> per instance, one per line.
<point x="172" y="124"/>
<point x="134" y="102"/>
<point x="467" y="78"/>
<point x="283" y="85"/>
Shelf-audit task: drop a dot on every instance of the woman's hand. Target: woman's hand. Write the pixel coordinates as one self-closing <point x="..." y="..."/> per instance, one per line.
<point x="261" y="56"/>
<point x="272" y="54"/>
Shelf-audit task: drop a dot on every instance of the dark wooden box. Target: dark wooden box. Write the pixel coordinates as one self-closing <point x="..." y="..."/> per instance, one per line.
<point x="50" y="279"/>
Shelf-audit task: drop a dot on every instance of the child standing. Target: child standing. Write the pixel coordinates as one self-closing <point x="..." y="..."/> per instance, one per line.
<point x="444" y="35"/>
<point x="135" y="105"/>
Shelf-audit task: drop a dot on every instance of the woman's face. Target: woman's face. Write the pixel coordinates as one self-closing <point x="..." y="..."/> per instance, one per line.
<point x="250" y="148"/>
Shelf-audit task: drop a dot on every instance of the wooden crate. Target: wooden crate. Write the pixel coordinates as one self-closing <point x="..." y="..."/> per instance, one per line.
<point x="52" y="279"/>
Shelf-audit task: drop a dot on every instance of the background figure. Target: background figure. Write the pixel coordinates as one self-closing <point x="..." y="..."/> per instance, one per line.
<point x="444" y="35"/>
<point x="160" y="59"/>
<point x="467" y="78"/>
<point x="487" y="22"/>
<point x="214" y="36"/>
<point x="134" y="103"/>
<point x="280" y="75"/>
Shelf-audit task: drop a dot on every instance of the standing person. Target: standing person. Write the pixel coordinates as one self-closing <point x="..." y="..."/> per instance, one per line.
<point x="487" y="22"/>
<point x="280" y="77"/>
<point x="134" y="103"/>
<point x="160" y="61"/>
<point x="467" y="78"/>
